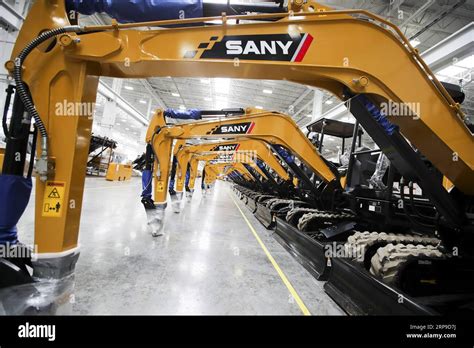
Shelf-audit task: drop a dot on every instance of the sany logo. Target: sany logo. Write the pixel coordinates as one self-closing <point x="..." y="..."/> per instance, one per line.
<point x="229" y="147"/>
<point x="258" y="47"/>
<point x="272" y="47"/>
<point x="237" y="128"/>
<point x="234" y="129"/>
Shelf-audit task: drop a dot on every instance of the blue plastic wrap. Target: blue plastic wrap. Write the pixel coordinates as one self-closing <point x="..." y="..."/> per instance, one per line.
<point x="147" y="178"/>
<point x="284" y="153"/>
<point x="173" y="174"/>
<point x="192" y="114"/>
<point x="15" y="192"/>
<point x="250" y="170"/>
<point x="188" y="178"/>
<point x="381" y="119"/>
<point x="236" y="176"/>
<point x="130" y="11"/>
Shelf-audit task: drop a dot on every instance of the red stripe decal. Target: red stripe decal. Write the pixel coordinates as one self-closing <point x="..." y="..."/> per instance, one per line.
<point x="251" y="128"/>
<point x="304" y="48"/>
<point x="235" y="152"/>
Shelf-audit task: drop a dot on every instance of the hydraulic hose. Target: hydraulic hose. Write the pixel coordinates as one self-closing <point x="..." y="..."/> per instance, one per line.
<point x="413" y="206"/>
<point x="21" y="87"/>
<point x="157" y="160"/>
<point x="32" y="153"/>
<point x="407" y="213"/>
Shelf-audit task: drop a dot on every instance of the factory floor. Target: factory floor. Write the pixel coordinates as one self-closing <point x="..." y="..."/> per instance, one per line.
<point x="215" y="258"/>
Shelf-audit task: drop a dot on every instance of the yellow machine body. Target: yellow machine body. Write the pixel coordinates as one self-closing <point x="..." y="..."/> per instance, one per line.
<point x="235" y="149"/>
<point x="213" y="169"/>
<point x="119" y="172"/>
<point x="346" y="53"/>
<point x="2" y="156"/>
<point x="271" y="127"/>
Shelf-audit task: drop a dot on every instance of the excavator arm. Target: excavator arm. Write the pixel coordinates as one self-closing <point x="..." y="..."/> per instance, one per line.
<point x="193" y="169"/>
<point x="271" y="127"/>
<point x="245" y="162"/>
<point x="228" y="148"/>
<point x="349" y="53"/>
<point x="216" y="171"/>
<point x="334" y="50"/>
<point x="226" y="168"/>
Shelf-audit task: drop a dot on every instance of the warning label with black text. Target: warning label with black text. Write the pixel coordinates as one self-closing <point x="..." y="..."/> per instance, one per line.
<point x="53" y="202"/>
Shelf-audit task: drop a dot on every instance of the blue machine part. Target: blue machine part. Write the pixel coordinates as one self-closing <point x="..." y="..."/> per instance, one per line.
<point x="250" y="169"/>
<point x="284" y="153"/>
<point x="188" y="178"/>
<point x="173" y="174"/>
<point x="381" y="119"/>
<point x="236" y="176"/>
<point x="15" y="192"/>
<point x="147" y="179"/>
<point x="260" y="164"/>
<point x="130" y="11"/>
<point x="192" y="114"/>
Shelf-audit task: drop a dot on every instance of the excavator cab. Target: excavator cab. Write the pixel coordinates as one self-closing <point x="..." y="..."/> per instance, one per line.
<point x="343" y="131"/>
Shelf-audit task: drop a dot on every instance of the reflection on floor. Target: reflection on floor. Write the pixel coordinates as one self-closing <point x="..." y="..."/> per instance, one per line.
<point x="208" y="261"/>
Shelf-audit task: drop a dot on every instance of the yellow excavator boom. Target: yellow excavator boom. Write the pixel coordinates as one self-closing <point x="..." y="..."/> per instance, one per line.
<point x="348" y="53"/>
<point x="271" y="127"/>
<point x="231" y="148"/>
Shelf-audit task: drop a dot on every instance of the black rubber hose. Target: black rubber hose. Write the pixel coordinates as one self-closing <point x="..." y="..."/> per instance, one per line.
<point x="413" y="206"/>
<point x="407" y="213"/>
<point x="32" y="155"/>
<point x="18" y="75"/>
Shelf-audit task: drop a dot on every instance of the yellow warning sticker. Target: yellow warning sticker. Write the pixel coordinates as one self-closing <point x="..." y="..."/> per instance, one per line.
<point x="160" y="186"/>
<point x="53" y="201"/>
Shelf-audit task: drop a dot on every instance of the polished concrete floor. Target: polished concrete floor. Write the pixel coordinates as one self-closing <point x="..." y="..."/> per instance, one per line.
<point x="208" y="262"/>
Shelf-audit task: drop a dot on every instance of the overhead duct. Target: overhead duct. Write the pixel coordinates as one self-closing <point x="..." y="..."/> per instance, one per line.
<point x="139" y="10"/>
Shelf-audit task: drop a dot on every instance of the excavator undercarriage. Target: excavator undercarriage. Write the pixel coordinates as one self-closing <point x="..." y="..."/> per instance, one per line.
<point x="382" y="235"/>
